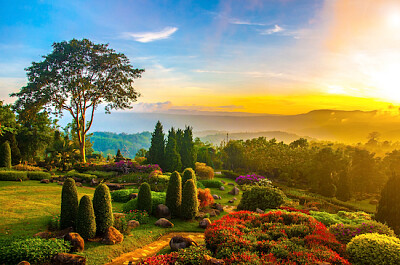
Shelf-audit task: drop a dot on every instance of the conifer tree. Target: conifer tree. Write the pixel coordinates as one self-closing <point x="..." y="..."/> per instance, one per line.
<point x="172" y="157"/>
<point x="156" y="152"/>
<point x="69" y="204"/>
<point x="102" y="209"/>
<point x="119" y="156"/>
<point x="173" y="197"/>
<point x="5" y="155"/>
<point x="85" y="221"/>
<point x="188" y="152"/>
<point x="190" y="204"/>
<point x="188" y="173"/>
<point x="388" y="210"/>
<point x="343" y="187"/>
<point x="179" y="140"/>
<point x="144" y="200"/>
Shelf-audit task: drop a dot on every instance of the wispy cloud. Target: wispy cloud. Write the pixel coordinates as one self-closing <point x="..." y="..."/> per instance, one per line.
<point x="273" y="30"/>
<point x="244" y="22"/>
<point x="247" y="73"/>
<point x="151" y="36"/>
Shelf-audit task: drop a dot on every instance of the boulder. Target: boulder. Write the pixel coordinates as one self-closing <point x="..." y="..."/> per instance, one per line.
<point x="94" y="182"/>
<point x="112" y="236"/>
<point x="162" y="222"/>
<point x="213" y="213"/>
<point x="63" y="233"/>
<point x="222" y="188"/>
<point x="204" y="223"/>
<point x="258" y="210"/>
<point x="68" y="259"/>
<point x="219" y="207"/>
<point x="223" y="182"/>
<point x="207" y="260"/>
<point x="216" y="197"/>
<point x="162" y="211"/>
<point x="231" y="201"/>
<point x="133" y="224"/>
<point x="179" y="242"/>
<point x="45" y="235"/>
<point x="77" y="242"/>
<point x="234" y="198"/>
<point x="132" y="196"/>
<point x="24" y="263"/>
<point x="78" y="184"/>
<point x="234" y="191"/>
<point x="45" y="181"/>
<point x="114" y="186"/>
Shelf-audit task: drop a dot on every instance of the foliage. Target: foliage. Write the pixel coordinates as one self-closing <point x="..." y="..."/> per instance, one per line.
<point x="187" y="151"/>
<point x="82" y="176"/>
<point x="13" y="175"/>
<point x="54" y="223"/>
<point x="248" y="179"/>
<point x="165" y="259"/>
<point x="172" y="157"/>
<point x="126" y="167"/>
<point x="34" y="250"/>
<point x="187" y="174"/>
<point x="157" y="198"/>
<point x="205" y="198"/>
<point x="102" y="174"/>
<point x="156" y="154"/>
<point x="5" y="155"/>
<point x="263" y="197"/>
<point x="229" y="174"/>
<point x="122" y="195"/>
<point x="343" y="187"/>
<point x="158" y="182"/>
<point x="144" y="201"/>
<point x="342" y="217"/>
<point x="190" y="204"/>
<point x="192" y="255"/>
<point x="204" y="171"/>
<point x="374" y="248"/>
<point x="173" y="198"/>
<point x="38" y="175"/>
<point x="141" y="216"/>
<point x="85" y="221"/>
<point x="69" y="204"/>
<point x="211" y="183"/>
<point x="62" y="152"/>
<point x="26" y="167"/>
<point x="102" y="209"/>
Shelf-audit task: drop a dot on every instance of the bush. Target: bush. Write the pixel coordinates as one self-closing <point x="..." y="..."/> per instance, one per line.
<point x="54" y="223"/>
<point x="85" y="221"/>
<point x="144" y="201"/>
<point x="165" y="259"/>
<point x="210" y="183"/>
<point x="229" y="174"/>
<point x="374" y="249"/>
<point x="205" y="198"/>
<point x="174" y="194"/>
<point x="141" y="216"/>
<point x="5" y="155"/>
<point x="342" y="217"/>
<point x="69" y="204"/>
<point x="263" y="197"/>
<point x="204" y="171"/>
<point x="102" y="174"/>
<point x="248" y="179"/>
<point x="192" y="255"/>
<point x="190" y="204"/>
<point x="157" y="198"/>
<point x="38" y="175"/>
<point x="187" y="174"/>
<point x="102" y="209"/>
<point x="158" y="182"/>
<point x="23" y="167"/>
<point x="122" y="195"/>
<point x="388" y="210"/>
<point x="34" y="250"/>
<point x="13" y="175"/>
<point x="81" y="176"/>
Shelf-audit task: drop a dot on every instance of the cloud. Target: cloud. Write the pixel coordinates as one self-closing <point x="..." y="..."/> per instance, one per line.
<point x="246" y="73"/>
<point x="244" y="22"/>
<point x="152" y="107"/>
<point x="276" y="29"/>
<point x="145" y="37"/>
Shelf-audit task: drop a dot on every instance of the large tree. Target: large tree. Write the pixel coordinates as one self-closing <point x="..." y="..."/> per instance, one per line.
<point x="156" y="154"/>
<point x="77" y="77"/>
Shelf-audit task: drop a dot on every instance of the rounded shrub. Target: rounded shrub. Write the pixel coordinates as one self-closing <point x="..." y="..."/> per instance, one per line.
<point x="5" y="155"/>
<point x="187" y="174"/>
<point x="174" y="193"/>
<point x="374" y="248"/>
<point x="263" y="197"/>
<point x="69" y="204"/>
<point x="102" y="209"/>
<point x="144" y="201"/>
<point x="190" y="204"/>
<point x="85" y="221"/>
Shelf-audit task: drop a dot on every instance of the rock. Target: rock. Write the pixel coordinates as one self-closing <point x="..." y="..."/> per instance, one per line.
<point x="68" y="259"/>
<point x="162" y="211"/>
<point x="63" y="233"/>
<point x="114" y="186"/>
<point x="132" y="196"/>
<point x="258" y="210"/>
<point x="207" y="260"/>
<point x="232" y="184"/>
<point x="133" y="224"/>
<point x="78" y="184"/>
<point x="216" y="197"/>
<point x="217" y="212"/>
<point x="234" y="191"/>
<point x="45" y="181"/>
<point x="162" y="222"/>
<point x="200" y="215"/>
<point x="213" y="213"/>
<point x="93" y="182"/>
<point x="45" y="235"/>
<point x="60" y="183"/>
<point x="234" y="198"/>
<point x="77" y="242"/>
<point x="118" y="215"/>
<point x="179" y="242"/>
<point x="204" y="223"/>
<point x="231" y="201"/>
<point x="112" y="237"/>
<point x="223" y="182"/>
<point x="24" y="263"/>
<point x="219" y="207"/>
<point x="222" y="188"/>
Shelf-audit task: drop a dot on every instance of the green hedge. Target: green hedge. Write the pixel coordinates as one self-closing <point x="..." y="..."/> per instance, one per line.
<point x="13" y="175"/>
<point x="157" y="198"/>
<point x="210" y="183"/>
<point x="262" y="197"/>
<point x="159" y="182"/>
<point x="229" y="174"/>
<point x="82" y="176"/>
<point x="102" y="174"/>
<point x="122" y="195"/>
<point x="190" y="203"/>
<point x="38" y="175"/>
<point x="342" y="217"/>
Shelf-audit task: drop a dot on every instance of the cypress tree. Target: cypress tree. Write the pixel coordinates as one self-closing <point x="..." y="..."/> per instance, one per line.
<point x="343" y="187"/>
<point x="188" y="152"/>
<point x="173" y="197"/>
<point x="388" y="209"/>
<point x="85" y="221"/>
<point x="190" y="204"/>
<point x="188" y="173"/>
<point x="5" y="155"/>
<point x="144" y="200"/>
<point x="172" y="157"/>
<point x="157" y="148"/>
<point x="179" y="141"/>
<point x="69" y="204"/>
<point x="102" y="209"/>
<point x="119" y="156"/>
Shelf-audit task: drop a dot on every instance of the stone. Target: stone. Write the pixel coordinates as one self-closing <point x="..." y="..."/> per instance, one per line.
<point x="213" y="213"/>
<point x="68" y="259"/>
<point x="78" y="184"/>
<point x="222" y="188"/>
<point x="258" y="210"/>
<point x="216" y="197"/>
<point x="162" y="211"/>
<point x="133" y="224"/>
<point x="200" y="215"/>
<point x="112" y="236"/>
<point x="45" y="235"/>
<point x="231" y="201"/>
<point x="63" y="233"/>
<point x="223" y="182"/>
<point x="219" y="207"/>
<point x="217" y="212"/>
<point x="93" y="182"/>
<point x="234" y="191"/>
<point x="207" y="260"/>
<point x="162" y="222"/>
<point x="132" y="196"/>
<point x="45" y="181"/>
<point x="118" y="215"/>
<point x="232" y="184"/>
<point x="179" y="242"/>
<point x="77" y="242"/>
<point x="24" y="263"/>
<point x="234" y="198"/>
<point x="204" y="223"/>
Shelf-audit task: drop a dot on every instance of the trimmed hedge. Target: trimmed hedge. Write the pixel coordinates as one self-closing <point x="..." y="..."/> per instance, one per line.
<point x="81" y="176"/>
<point x="102" y="174"/>
<point x="13" y="175"/>
<point x="122" y="195"/>
<point x="85" y="221"/>
<point x="144" y="202"/>
<point x="157" y="198"/>
<point x="190" y="203"/>
<point x="263" y="197"/>
<point x="210" y="183"/>
<point x="229" y="174"/>
<point x="5" y="155"/>
<point x="38" y="175"/>
<point x="102" y="209"/>
<point x="174" y="194"/>
<point x="187" y="174"/>
<point x="158" y="182"/>
<point x="69" y="204"/>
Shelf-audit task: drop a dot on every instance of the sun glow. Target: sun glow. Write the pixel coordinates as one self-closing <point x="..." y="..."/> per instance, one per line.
<point x="393" y="19"/>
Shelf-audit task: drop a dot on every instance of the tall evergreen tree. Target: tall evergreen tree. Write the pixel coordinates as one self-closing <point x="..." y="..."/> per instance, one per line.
<point x="172" y="157"/>
<point x="156" y="152"/>
<point x="102" y="209"/>
<point x="388" y="209"/>
<point x="179" y="140"/>
<point x="5" y="155"/>
<point x="343" y="187"/>
<point x="173" y="198"/>
<point x="69" y="204"/>
<point x="188" y="153"/>
<point x="85" y="221"/>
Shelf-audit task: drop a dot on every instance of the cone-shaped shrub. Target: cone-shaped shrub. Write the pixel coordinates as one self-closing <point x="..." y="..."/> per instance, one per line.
<point x="144" y="201"/>
<point x="188" y="173"/>
<point x="102" y="209"/>
<point x="5" y="155"/>
<point x="174" y="194"/>
<point x="85" y="221"/>
<point x="190" y="204"/>
<point x="69" y="204"/>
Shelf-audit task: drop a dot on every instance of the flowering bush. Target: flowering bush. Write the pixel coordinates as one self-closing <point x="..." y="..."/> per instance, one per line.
<point x="54" y="223"/>
<point x="248" y="179"/>
<point x="263" y="197"/>
<point x="126" y="167"/>
<point x="166" y="259"/>
<point x="342" y="217"/>
<point x="192" y="255"/>
<point x="205" y="197"/>
<point x="141" y="216"/>
<point x="277" y="237"/>
<point x="292" y="209"/>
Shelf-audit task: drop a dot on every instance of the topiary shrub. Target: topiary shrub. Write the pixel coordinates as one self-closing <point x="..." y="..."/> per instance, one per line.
<point x="187" y="174"/>
<point x="374" y="248"/>
<point x="13" y="175"/>
<point x="158" y="182"/>
<point x="38" y="175"/>
<point x="204" y="171"/>
<point x="102" y="209"/>
<point x="190" y="204"/>
<point x="144" y="201"/>
<point x="5" y="155"/>
<point x="69" y="204"/>
<point x="156" y="197"/>
<point x="122" y="195"/>
<point x="85" y="221"/>
<point x="211" y="183"/>
<point x="174" y="194"/>
<point x="263" y="197"/>
<point x="81" y="176"/>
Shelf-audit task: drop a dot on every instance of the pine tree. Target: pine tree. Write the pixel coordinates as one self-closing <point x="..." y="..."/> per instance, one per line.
<point x="179" y="141"/>
<point x="188" y="173"/>
<point x="85" y="221"/>
<point x="157" y="148"/>
<point x="119" y="156"/>
<point x="144" y="200"/>
<point x="69" y="204"/>
<point x="5" y="155"/>
<point x="343" y="187"/>
<point x="173" y="197"/>
<point x="188" y="152"/>
<point x="388" y="210"/>
<point x="190" y="204"/>
<point x="172" y="157"/>
<point x="102" y="209"/>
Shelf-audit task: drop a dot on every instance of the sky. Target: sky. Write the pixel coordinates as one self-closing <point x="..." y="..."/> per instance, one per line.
<point x="271" y="56"/>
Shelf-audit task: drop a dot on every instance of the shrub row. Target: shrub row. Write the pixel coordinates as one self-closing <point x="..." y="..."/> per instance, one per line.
<point x="157" y="198"/>
<point x="81" y="176"/>
<point x="38" y="175"/>
<point x="13" y="175"/>
<point x="341" y="217"/>
<point x="211" y="183"/>
<point x="262" y="197"/>
<point x="122" y="195"/>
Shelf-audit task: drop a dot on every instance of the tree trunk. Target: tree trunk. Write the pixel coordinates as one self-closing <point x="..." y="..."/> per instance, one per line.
<point x="82" y="147"/>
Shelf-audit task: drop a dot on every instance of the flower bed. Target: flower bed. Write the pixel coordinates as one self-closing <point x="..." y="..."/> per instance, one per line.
<point x="248" y="179"/>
